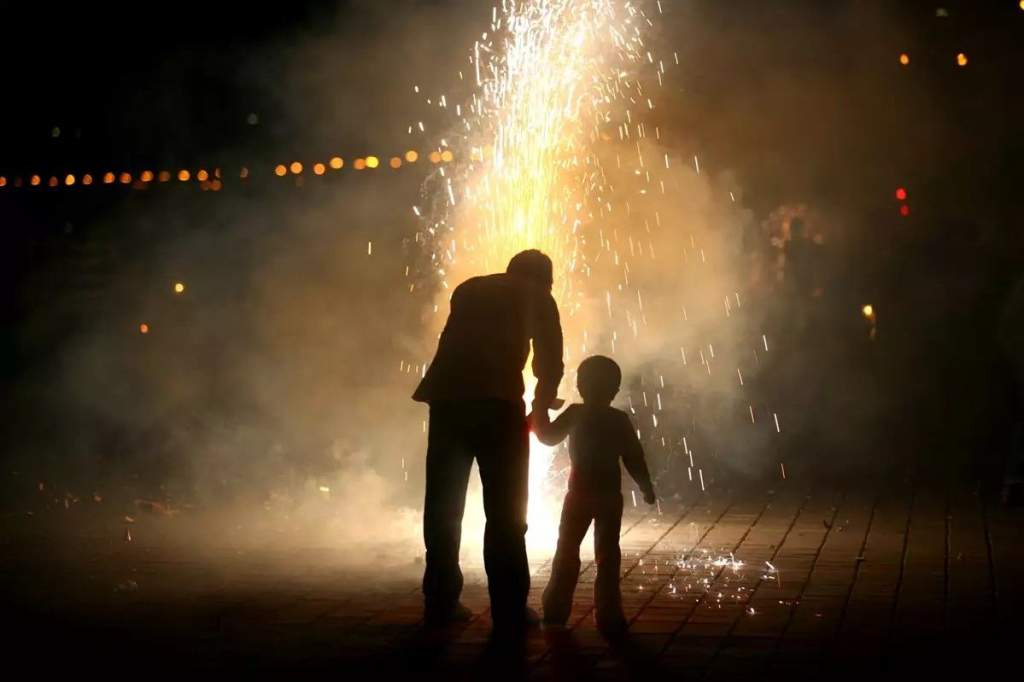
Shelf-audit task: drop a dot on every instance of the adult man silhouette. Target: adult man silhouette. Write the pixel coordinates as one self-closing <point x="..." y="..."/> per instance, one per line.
<point x="474" y="387"/>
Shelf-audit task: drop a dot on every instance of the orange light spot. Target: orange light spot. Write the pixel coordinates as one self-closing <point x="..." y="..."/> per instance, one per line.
<point x="35" y="180"/>
<point x="395" y="162"/>
<point x="359" y="164"/>
<point x="126" y="178"/>
<point x="143" y="328"/>
<point x="337" y="162"/>
<point x="179" y="287"/>
<point x="216" y="185"/>
<point x="372" y="162"/>
<point x="202" y="175"/>
<point x="3" y="181"/>
<point x="447" y="156"/>
<point x="961" y="59"/>
<point x="86" y="179"/>
<point x="164" y="176"/>
<point x="147" y="176"/>
<point x="280" y="171"/>
<point x="904" y="59"/>
<point x="411" y="156"/>
<point x="296" y="167"/>
<point x="184" y="175"/>
<point x="108" y="178"/>
<point x="69" y="179"/>
<point x="435" y="157"/>
<point x="244" y="173"/>
<point x="319" y="169"/>
<point x="53" y="181"/>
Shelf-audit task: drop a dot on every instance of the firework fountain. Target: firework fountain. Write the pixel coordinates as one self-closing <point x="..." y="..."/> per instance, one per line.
<point x="557" y="147"/>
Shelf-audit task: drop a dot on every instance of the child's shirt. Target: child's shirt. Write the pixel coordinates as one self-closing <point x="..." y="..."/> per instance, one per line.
<point x="598" y="437"/>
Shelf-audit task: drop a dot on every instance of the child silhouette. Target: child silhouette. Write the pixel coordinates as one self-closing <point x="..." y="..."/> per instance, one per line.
<point x="599" y="435"/>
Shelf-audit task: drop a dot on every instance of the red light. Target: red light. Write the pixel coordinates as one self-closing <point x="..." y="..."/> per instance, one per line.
<point x="904" y="210"/>
<point x="901" y="194"/>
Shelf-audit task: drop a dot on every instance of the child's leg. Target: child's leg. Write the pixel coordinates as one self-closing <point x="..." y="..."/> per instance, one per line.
<point x="565" y="567"/>
<point x="607" y="597"/>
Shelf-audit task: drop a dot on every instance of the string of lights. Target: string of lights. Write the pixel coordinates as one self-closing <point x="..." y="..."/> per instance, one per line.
<point x="214" y="179"/>
<point x="960" y="59"/>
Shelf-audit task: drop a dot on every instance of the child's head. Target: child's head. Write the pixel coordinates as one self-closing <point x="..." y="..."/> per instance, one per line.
<point x="598" y="379"/>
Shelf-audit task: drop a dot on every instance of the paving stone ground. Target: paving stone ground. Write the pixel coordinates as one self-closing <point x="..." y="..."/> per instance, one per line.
<point x="797" y="583"/>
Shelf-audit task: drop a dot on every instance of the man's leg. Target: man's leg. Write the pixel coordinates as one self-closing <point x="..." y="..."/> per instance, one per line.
<point x="503" y="455"/>
<point x="608" y="556"/>
<point x="448" y="465"/>
<point x="565" y="567"/>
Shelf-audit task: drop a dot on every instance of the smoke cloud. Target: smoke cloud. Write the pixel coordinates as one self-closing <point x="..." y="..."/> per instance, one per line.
<point x="270" y="400"/>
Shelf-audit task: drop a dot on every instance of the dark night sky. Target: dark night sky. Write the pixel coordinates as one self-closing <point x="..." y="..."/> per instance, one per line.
<point x="132" y="80"/>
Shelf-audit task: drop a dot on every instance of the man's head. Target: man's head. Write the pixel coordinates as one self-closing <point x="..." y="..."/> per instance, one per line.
<point x="598" y="379"/>
<point x="532" y="265"/>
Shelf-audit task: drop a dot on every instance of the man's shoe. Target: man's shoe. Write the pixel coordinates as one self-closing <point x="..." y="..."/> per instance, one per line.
<point x="554" y="623"/>
<point x="614" y="628"/>
<point x="517" y="626"/>
<point x="457" y="615"/>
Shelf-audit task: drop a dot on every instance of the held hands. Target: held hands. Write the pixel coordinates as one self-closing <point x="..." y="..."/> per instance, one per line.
<point x="543" y="403"/>
<point x="538" y="420"/>
<point x="539" y="417"/>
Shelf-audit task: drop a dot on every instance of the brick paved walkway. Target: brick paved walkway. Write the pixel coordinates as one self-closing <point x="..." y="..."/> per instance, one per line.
<point x="795" y="584"/>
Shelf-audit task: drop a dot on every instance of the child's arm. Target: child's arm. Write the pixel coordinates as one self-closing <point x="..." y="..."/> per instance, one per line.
<point x="554" y="432"/>
<point x="633" y="458"/>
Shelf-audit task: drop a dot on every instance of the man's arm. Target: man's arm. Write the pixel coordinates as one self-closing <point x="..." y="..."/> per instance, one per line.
<point x="547" y="351"/>
<point x="554" y="432"/>
<point x="633" y="459"/>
